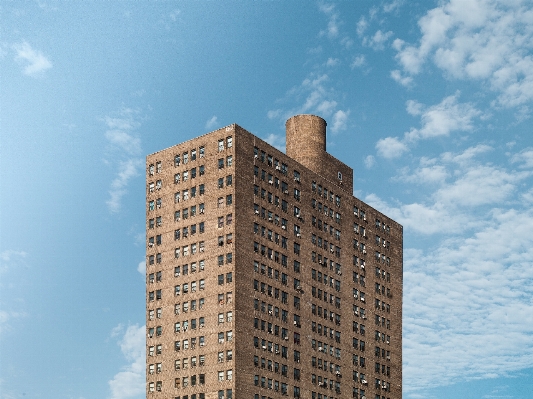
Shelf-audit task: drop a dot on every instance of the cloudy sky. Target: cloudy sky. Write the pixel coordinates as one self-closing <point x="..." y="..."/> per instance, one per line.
<point x="430" y="102"/>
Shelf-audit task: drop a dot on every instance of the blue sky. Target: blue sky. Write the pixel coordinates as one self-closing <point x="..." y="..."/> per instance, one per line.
<point x="430" y="102"/>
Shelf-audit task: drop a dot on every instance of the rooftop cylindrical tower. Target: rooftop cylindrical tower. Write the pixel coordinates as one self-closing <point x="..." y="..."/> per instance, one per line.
<point x="306" y="144"/>
<point x="306" y="138"/>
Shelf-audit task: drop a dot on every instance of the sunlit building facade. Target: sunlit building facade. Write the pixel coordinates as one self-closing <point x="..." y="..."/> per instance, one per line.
<point x="266" y="277"/>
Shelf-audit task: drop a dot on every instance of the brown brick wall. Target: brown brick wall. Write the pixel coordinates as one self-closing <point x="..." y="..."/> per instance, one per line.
<point x="242" y="267"/>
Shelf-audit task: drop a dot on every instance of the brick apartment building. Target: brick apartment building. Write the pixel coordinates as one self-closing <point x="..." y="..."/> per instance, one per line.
<point x="266" y="277"/>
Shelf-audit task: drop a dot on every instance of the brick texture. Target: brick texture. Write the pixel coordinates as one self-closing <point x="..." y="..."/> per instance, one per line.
<point x="264" y="280"/>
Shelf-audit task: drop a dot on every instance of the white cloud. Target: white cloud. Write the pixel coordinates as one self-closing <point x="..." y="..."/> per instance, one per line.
<point x="274" y="114"/>
<point x="124" y="149"/>
<point x="211" y="123"/>
<point x="340" y="121"/>
<point x="141" y="267"/>
<point x="35" y="61"/>
<point x="276" y="140"/>
<point x="124" y="141"/>
<point x="377" y="42"/>
<point x="391" y="147"/>
<point x="358" y="61"/>
<point x="130" y="381"/>
<point x="10" y="258"/>
<point x="482" y="40"/>
<point x="393" y="6"/>
<point x="524" y="158"/>
<point x="316" y="96"/>
<point x="427" y="174"/>
<point x="127" y="170"/>
<point x="461" y="183"/>
<point x="414" y="108"/>
<point x="11" y="261"/>
<point x="332" y="31"/>
<point x="11" y="255"/>
<point x="522" y="114"/>
<point x="369" y="161"/>
<point x="331" y="62"/>
<point x="362" y="25"/>
<point x="403" y="80"/>
<point x="465" y="158"/>
<point x="437" y="120"/>
<point x="347" y="42"/>
<point x="6" y="316"/>
<point x="326" y="107"/>
<point x="480" y="185"/>
<point x="443" y="118"/>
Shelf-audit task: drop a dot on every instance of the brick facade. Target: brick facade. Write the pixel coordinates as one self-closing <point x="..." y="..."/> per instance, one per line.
<point x="270" y="295"/>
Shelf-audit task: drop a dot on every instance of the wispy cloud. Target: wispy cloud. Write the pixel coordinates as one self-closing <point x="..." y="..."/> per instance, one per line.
<point x="276" y="140"/>
<point x="358" y="61"/>
<point x="361" y="26"/>
<point x="10" y="261"/>
<point x="391" y="147"/>
<point x="34" y="62"/>
<point x="524" y="158"/>
<point x="211" y="123"/>
<point x="332" y="30"/>
<point x="401" y="79"/>
<point x="340" y="121"/>
<point x="369" y="161"/>
<point x="332" y="62"/>
<point x="437" y="120"/>
<point x="487" y="41"/>
<point x="393" y="6"/>
<point x="130" y="381"/>
<point x="141" y="267"/>
<point x="460" y="183"/>
<point x="124" y="147"/>
<point x="314" y="95"/>
<point x="378" y="40"/>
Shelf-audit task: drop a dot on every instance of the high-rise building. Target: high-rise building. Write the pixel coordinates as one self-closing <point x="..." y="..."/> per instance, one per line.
<point x="266" y="277"/>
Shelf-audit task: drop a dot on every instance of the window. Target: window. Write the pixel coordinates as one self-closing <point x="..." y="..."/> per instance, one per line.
<point x="229" y="142"/>
<point x="229" y="199"/>
<point x="229" y="161"/>
<point x="221" y="163"/>
<point x="220" y="145"/>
